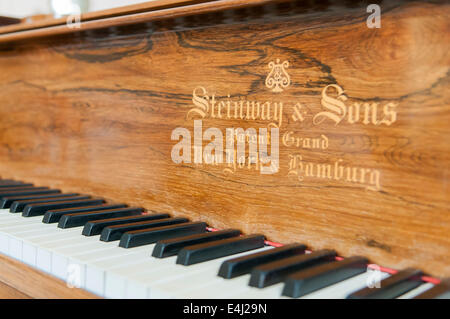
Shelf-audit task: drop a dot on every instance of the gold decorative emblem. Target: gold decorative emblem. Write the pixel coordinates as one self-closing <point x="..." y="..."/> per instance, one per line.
<point x="278" y="79"/>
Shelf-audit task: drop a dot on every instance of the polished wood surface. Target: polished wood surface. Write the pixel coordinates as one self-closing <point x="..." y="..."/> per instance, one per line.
<point x="19" y="281"/>
<point x="111" y="21"/>
<point x="103" y="14"/>
<point x="93" y="111"/>
<point x="7" y="292"/>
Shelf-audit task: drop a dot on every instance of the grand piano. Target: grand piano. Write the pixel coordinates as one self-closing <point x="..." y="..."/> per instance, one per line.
<point x="227" y="149"/>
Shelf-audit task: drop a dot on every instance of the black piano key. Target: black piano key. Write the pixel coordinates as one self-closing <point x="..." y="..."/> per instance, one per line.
<point x="28" y="191"/>
<point x="95" y="227"/>
<point x="54" y="215"/>
<point x="19" y="205"/>
<point x="391" y="287"/>
<point x="14" y="188"/>
<point x="440" y="291"/>
<point x="9" y="185"/>
<point x="275" y="272"/>
<point x="79" y="219"/>
<point x="149" y="236"/>
<point x="111" y="233"/>
<point x="171" y="247"/>
<point x="40" y="209"/>
<point x="232" y="268"/>
<point x="311" y="279"/>
<point x="7" y="201"/>
<point x="203" y="252"/>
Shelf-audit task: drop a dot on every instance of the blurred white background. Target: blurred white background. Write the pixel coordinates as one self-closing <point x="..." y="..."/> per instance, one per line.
<point x="25" y="8"/>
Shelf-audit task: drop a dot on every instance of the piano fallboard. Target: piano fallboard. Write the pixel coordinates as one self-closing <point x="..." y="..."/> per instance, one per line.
<point x="125" y="106"/>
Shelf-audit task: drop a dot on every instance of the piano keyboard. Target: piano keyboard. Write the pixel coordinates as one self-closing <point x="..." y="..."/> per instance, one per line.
<point x="116" y="251"/>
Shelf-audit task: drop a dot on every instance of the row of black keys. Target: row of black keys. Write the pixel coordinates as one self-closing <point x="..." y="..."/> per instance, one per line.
<point x="302" y="273"/>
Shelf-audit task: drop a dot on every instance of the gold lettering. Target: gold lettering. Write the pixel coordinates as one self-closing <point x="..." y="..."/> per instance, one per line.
<point x="324" y="171"/>
<point x="353" y="113"/>
<point x="265" y="112"/>
<point x="390" y="114"/>
<point x="200" y="101"/>
<point x="335" y="106"/>
<point x="368" y="118"/>
<point x="338" y="172"/>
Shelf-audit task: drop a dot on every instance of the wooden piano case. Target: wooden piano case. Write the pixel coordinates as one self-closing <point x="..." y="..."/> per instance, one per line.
<point x="362" y="114"/>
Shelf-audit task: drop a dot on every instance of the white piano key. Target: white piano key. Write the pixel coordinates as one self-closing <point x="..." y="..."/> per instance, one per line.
<point x="139" y="279"/>
<point x="191" y="283"/>
<point x="118" y="277"/>
<point x="36" y="232"/>
<point x="342" y="289"/>
<point x="43" y="231"/>
<point x="88" y="257"/>
<point x="17" y="241"/>
<point x="229" y="288"/>
<point x="128" y="259"/>
<point x="30" y="247"/>
<point x="15" y="248"/>
<point x="59" y="240"/>
<point x="57" y="259"/>
<point x="49" y="260"/>
<point x="134" y="290"/>
<point x="29" y="254"/>
<point x="19" y="228"/>
<point x="10" y="244"/>
<point x="10" y="224"/>
<point x="60" y="260"/>
<point x="221" y="288"/>
<point x="416" y="291"/>
<point x="194" y="281"/>
<point x="166" y="282"/>
<point x="44" y="260"/>
<point x="271" y="292"/>
<point x="4" y="244"/>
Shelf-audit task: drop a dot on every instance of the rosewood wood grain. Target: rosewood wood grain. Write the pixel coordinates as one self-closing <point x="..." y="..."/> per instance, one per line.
<point x="20" y="281"/>
<point x="93" y="112"/>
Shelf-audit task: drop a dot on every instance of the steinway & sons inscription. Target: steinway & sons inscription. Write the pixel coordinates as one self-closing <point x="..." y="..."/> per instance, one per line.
<point x="251" y="148"/>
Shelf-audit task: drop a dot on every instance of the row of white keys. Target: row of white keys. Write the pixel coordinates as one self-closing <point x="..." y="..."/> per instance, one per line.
<point x="21" y="244"/>
<point x="171" y="280"/>
<point x="31" y="241"/>
<point x="202" y="284"/>
<point x="11" y="224"/>
<point x="53" y="250"/>
<point x="160" y="276"/>
<point x="96" y="272"/>
<point x="57" y="255"/>
<point x="117" y="275"/>
<point x="223" y="288"/>
<point x="238" y="288"/>
<point x="118" y="272"/>
<point x="76" y="251"/>
<point x="112" y="271"/>
<point x="56" y="250"/>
